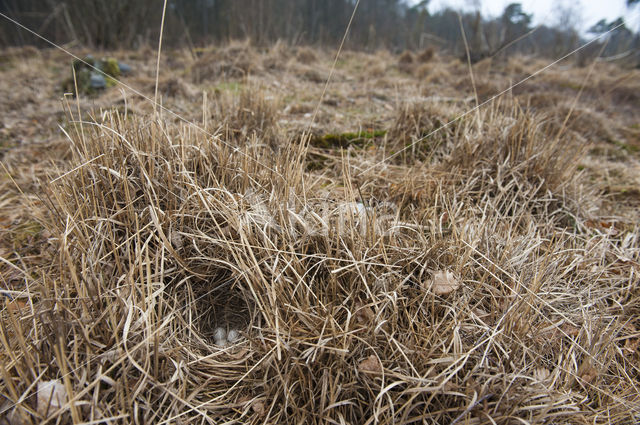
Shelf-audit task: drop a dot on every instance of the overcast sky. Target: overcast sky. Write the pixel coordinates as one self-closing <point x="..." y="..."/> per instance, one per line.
<point x="545" y="11"/>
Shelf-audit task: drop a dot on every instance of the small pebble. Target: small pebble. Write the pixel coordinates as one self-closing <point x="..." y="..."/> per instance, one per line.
<point x="97" y="81"/>
<point x="124" y="68"/>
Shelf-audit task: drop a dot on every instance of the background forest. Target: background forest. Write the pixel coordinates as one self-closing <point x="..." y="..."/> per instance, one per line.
<point x="392" y="24"/>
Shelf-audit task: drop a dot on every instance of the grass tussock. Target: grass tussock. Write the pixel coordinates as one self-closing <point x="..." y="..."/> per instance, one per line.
<point x="245" y="115"/>
<point x="390" y="274"/>
<point x="419" y="129"/>
<point x="406" y="61"/>
<point x="306" y="56"/>
<point x="234" y="61"/>
<point x="426" y="54"/>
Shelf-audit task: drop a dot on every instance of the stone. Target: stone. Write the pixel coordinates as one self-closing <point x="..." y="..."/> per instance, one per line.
<point x="124" y="68"/>
<point x="97" y="81"/>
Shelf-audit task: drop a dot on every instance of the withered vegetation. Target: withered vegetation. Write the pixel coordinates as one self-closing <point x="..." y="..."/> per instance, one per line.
<point x="481" y="272"/>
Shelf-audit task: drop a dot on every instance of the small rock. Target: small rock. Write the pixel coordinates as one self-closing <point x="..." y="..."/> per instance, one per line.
<point x="97" y="81"/>
<point x="124" y="68"/>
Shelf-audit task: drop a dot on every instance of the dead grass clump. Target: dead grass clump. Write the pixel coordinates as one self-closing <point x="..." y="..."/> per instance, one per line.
<point x="153" y="177"/>
<point x="176" y="87"/>
<point x="484" y="66"/>
<point x="235" y="61"/>
<point x="485" y="87"/>
<point x="10" y="54"/>
<point x="277" y="56"/>
<point x="24" y="238"/>
<point x="416" y="120"/>
<point x="376" y="70"/>
<point x="517" y="67"/>
<point x="626" y="91"/>
<point x="584" y="122"/>
<point x="433" y="73"/>
<point x="311" y="74"/>
<point x="425" y="70"/>
<point x="247" y="114"/>
<point x="406" y="61"/>
<point x="406" y="58"/>
<point x="426" y="55"/>
<point x="273" y="63"/>
<point x="517" y="158"/>
<point x="306" y="56"/>
<point x="519" y="138"/>
<point x="541" y="99"/>
<point x="458" y="67"/>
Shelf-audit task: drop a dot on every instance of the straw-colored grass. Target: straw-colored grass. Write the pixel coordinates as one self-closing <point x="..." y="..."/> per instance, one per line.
<point x="161" y="274"/>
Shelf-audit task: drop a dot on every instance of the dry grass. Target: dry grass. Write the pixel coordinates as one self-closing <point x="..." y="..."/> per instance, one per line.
<point x="478" y="276"/>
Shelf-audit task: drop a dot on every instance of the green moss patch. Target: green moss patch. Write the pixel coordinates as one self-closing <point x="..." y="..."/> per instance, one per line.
<point x="230" y="86"/>
<point x="88" y="69"/>
<point x="343" y="140"/>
